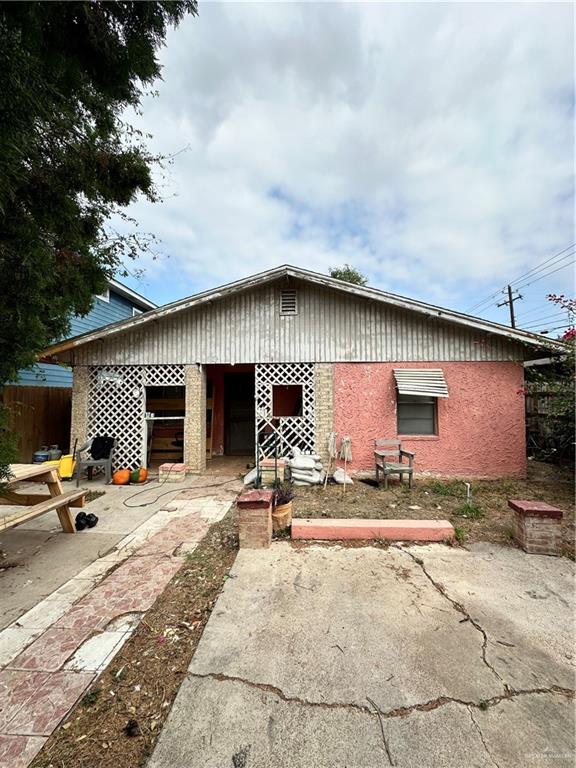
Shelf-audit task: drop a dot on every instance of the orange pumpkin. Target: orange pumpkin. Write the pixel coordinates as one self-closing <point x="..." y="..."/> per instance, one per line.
<point x="121" y="477"/>
<point x="138" y="475"/>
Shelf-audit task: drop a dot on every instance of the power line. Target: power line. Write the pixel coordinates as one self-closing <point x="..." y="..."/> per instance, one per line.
<point x="532" y="272"/>
<point x="568" y="260"/>
<point x="535" y="311"/>
<point x="543" y="263"/>
<point x="547" y="330"/>
<point x="549" y="318"/>
<point x="536" y="280"/>
<point x="486" y="301"/>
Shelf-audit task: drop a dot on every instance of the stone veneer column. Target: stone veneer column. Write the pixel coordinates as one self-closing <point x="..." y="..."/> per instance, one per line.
<point x="195" y="419"/>
<point x="79" y="417"/>
<point x="324" y="408"/>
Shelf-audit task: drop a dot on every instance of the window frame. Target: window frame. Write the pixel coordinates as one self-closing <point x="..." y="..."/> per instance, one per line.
<point x="417" y="400"/>
<point x="104" y="296"/>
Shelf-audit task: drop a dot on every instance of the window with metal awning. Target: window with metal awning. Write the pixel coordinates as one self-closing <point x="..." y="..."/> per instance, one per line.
<point x="421" y="382"/>
<point x="418" y="393"/>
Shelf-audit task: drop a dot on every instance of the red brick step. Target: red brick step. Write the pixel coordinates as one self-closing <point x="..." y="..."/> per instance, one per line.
<point x="393" y="530"/>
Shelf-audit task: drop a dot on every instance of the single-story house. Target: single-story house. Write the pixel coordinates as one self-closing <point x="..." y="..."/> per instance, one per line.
<point x="283" y="358"/>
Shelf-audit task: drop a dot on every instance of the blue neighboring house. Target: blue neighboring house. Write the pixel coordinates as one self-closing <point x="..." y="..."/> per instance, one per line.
<point x="117" y="303"/>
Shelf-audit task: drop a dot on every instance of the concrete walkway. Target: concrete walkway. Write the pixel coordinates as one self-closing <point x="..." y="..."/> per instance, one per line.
<point x="419" y="657"/>
<point x="52" y="652"/>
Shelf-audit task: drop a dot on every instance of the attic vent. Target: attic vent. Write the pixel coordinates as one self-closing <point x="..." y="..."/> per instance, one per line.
<point x="288" y="302"/>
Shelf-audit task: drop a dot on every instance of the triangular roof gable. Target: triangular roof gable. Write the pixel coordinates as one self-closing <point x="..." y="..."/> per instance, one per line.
<point x="286" y="271"/>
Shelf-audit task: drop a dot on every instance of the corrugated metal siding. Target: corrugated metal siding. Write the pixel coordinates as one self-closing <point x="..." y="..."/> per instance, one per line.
<point x="329" y="327"/>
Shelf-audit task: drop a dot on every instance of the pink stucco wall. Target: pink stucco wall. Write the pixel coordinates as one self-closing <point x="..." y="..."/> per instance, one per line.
<point x="480" y="425"/>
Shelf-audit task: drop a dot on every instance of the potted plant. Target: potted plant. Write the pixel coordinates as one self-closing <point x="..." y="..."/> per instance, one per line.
<point x="282" y="507"/>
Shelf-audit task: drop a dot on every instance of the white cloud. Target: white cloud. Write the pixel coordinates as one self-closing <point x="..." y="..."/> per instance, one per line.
<point x="430" y="145"/>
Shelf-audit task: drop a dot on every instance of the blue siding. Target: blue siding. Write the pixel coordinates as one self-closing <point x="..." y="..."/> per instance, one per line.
<point x="45" y="375"/>
<point x="102" y="313"/>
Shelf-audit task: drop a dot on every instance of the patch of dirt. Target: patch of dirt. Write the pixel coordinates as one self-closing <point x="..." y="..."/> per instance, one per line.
<point x="93" y="495"/>
<point x="440" y="499"/>
<point x="117" y="722"/>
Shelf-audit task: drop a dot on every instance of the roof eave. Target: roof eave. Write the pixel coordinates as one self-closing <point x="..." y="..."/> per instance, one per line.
<point x="429" y="310"/>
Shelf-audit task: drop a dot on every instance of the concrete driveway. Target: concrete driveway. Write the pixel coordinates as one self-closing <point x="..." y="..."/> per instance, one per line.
<point x="367" y="657"/>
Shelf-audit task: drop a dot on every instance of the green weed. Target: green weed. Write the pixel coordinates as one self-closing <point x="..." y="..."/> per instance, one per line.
<point x="471" y="511"/>
<point x="90" y="698"/>
<point x="509" y="533"/>
<point x="453" y="488"/>
<point x="459" y="535"/>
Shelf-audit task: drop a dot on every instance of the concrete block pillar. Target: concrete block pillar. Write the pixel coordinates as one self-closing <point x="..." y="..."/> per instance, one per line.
<point x="79" y="416"/>
<point x="537" y="527"/>
<point x="324" y="408"/>
<point x="255" y="519"/>
<point x="195" y="419"/>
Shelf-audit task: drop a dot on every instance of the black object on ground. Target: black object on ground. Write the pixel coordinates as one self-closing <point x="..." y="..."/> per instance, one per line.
<point x="81" y="521"/>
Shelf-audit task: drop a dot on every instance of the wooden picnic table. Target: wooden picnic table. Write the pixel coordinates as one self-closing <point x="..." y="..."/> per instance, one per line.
<point x="35" y="504"/>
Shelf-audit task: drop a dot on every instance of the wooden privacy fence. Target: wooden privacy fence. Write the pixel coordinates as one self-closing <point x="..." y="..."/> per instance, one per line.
<point x="40" y="416"/>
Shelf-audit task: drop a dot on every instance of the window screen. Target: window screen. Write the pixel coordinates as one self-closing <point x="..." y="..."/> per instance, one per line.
<point x="416" y="415"/>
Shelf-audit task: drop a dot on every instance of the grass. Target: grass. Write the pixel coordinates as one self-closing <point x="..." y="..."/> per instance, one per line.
<point x="459" y="535"/>
<point x="471" y="511"/>
<point x="454" y="488"/>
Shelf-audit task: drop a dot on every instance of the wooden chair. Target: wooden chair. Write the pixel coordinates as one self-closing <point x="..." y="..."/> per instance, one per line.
<point x="389" y="460"/>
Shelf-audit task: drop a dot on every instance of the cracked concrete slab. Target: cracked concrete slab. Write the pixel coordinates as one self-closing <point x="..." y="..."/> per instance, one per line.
<point x="523" y="602"/>
<point x="444" y="737"/>
<point x="327" y="656"/>
<point x="338" y="625"/>
<point x="536" y="729"/>
<point x="234" y="725"/>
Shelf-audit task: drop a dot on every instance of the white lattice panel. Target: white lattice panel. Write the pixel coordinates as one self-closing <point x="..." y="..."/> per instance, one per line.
<point x="163" y="375"/>
<point x="286" y="432"/>
<point x="117" y="403"/>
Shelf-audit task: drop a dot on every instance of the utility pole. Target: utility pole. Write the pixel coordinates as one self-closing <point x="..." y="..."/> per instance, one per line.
<point x="510" y="303"/>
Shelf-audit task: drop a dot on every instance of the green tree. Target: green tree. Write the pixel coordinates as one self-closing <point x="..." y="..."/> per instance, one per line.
<point x="68" y="160"/>
<point x="348" y="274"/>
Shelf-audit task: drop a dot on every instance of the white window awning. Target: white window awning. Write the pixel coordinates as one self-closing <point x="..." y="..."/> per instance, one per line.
<point x="422" y="382"/>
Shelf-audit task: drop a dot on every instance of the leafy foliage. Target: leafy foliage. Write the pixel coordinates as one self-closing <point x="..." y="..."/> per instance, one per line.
<point x="553" y="386"/>
<point x="283" y="494"/>
<point x="348" y="274"/>
<point x="68" y="160"/>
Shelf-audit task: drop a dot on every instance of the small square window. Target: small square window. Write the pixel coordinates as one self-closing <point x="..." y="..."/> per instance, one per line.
<point x="105" y="296"/>
<point x="417" y="415"/>
<point x="286" y="400"/>
<point x="288" y="302"/>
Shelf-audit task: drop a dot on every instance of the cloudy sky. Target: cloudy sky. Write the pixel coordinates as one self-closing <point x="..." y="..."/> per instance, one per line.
<point x="429" y="145"/>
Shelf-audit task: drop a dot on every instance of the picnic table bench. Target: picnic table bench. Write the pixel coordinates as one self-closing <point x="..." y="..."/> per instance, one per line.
<point x="35" y="504"/>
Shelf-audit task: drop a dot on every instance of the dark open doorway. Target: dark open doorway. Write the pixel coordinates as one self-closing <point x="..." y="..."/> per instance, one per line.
<point x="239" y="413"/>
